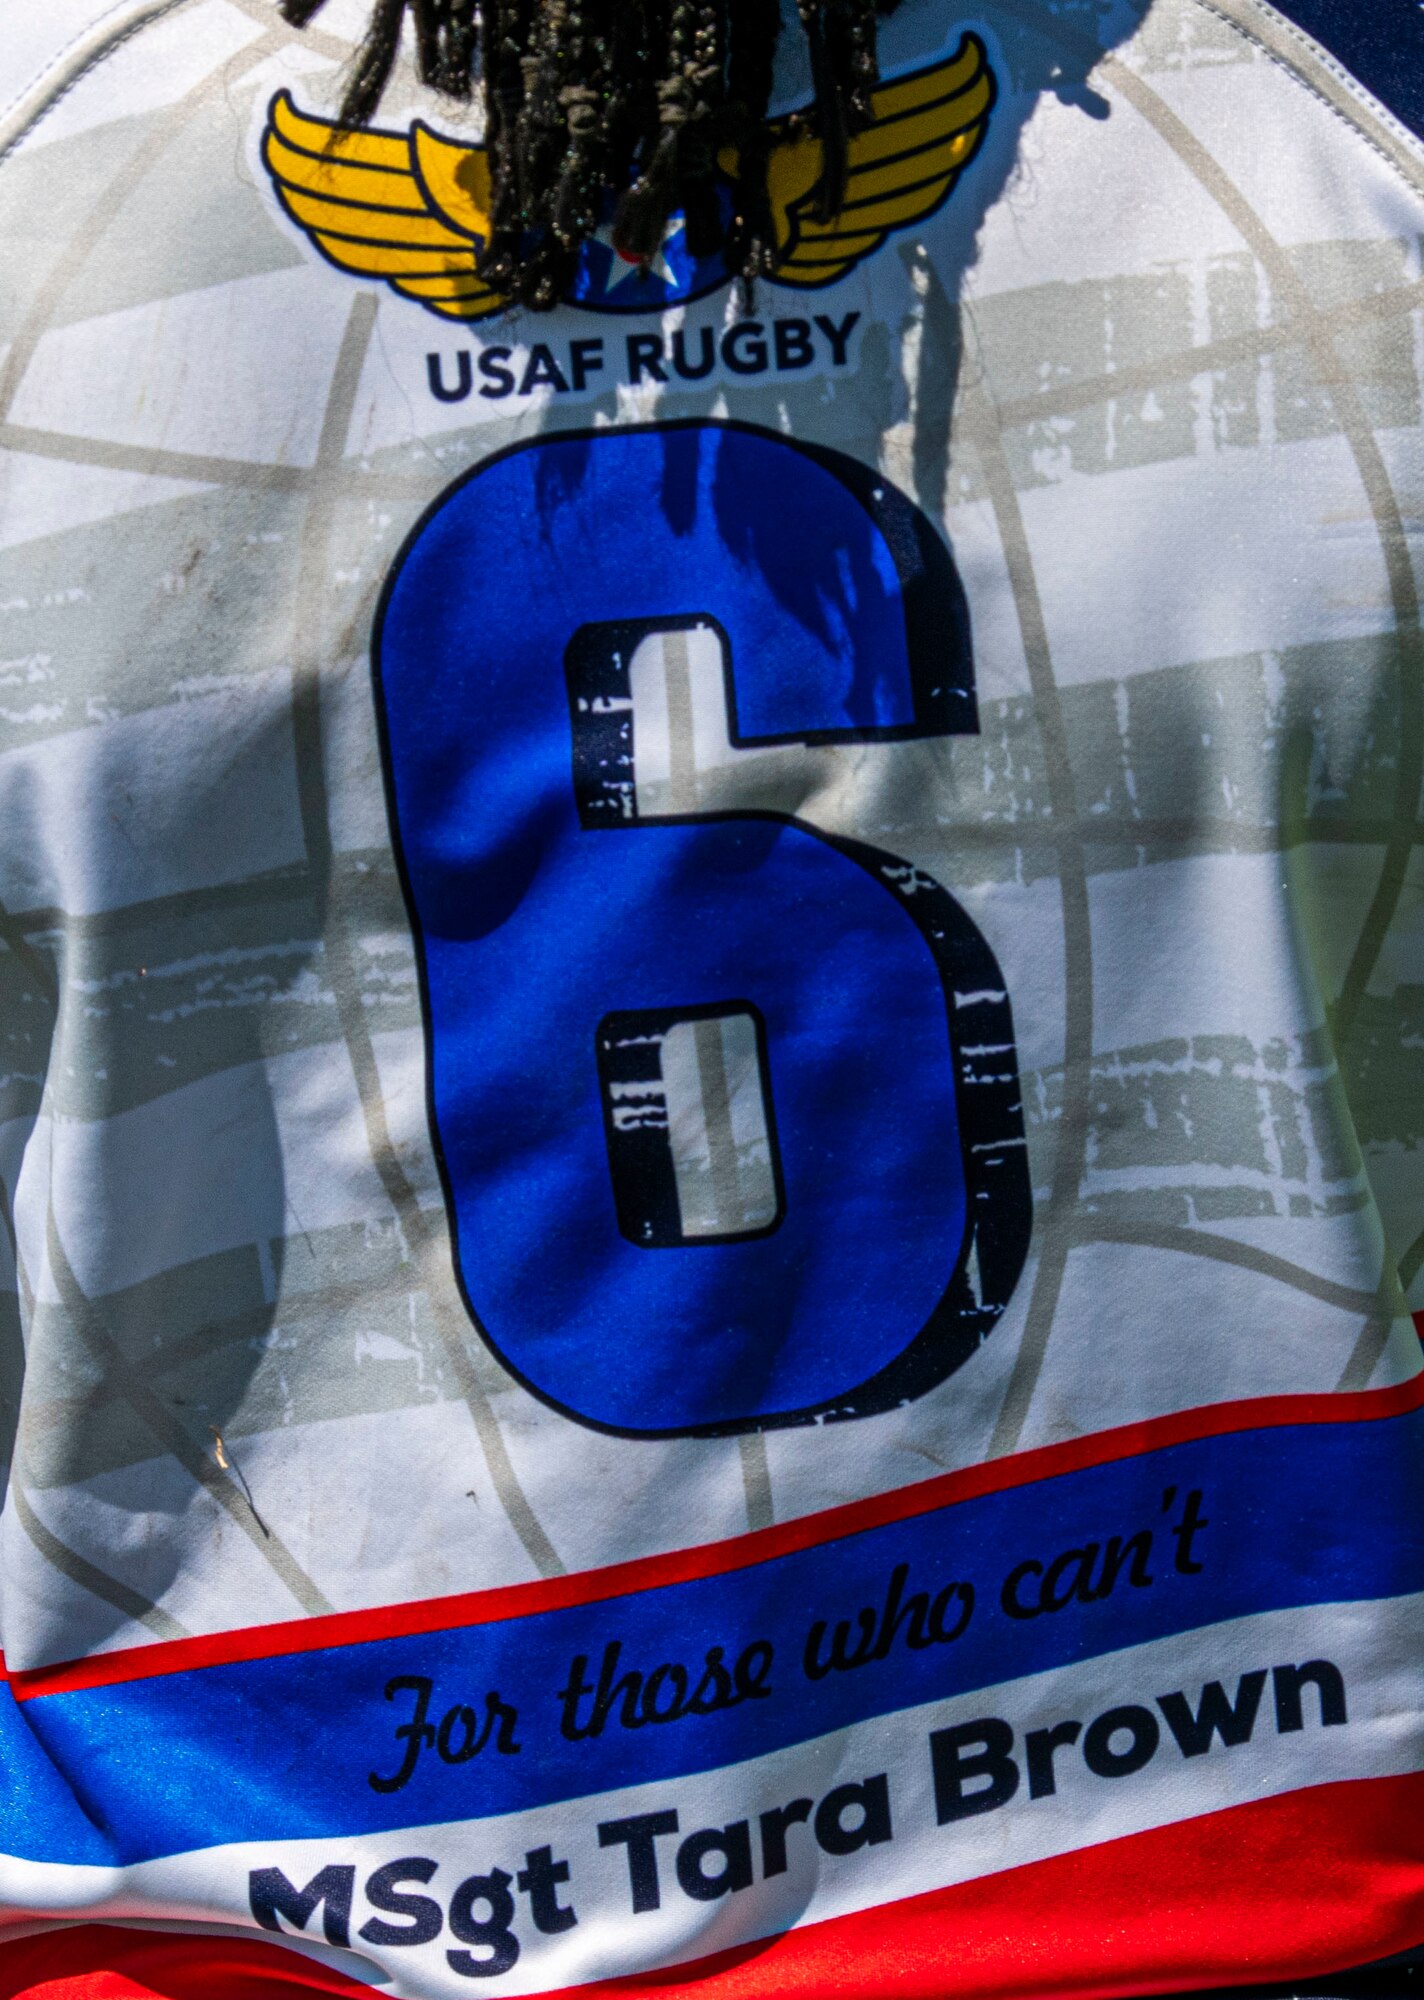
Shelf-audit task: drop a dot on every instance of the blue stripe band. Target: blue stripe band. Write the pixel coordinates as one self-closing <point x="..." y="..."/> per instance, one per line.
<point x="283" y="1748"/>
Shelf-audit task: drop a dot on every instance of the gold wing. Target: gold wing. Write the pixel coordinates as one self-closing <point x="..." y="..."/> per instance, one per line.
<point x="928" y="127"/>
<point x="409" y="209"/>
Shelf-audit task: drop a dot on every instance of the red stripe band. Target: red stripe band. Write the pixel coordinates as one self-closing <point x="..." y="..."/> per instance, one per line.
<point x="520" y="1600"/>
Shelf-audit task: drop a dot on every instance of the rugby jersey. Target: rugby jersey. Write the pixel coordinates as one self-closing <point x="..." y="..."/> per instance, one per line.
<point x="713" y="1030"/>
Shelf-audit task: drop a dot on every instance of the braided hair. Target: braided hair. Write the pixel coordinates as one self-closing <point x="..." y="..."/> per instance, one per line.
<point x="628" y="103"/>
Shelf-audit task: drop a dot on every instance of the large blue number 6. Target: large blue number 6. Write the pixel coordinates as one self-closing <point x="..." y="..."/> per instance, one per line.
<point x="726" y="1105"/>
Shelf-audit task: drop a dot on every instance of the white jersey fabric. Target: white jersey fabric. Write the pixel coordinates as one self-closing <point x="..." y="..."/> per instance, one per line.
<point x="712" y="1016"/>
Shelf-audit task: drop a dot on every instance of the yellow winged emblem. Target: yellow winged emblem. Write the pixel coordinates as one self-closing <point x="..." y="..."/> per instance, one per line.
<point x="411" y="209"/>
<point x="928" y="127"/>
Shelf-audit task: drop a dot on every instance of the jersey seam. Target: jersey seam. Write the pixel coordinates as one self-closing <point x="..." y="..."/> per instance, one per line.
<point x="1350" y="83"/>
<point x="64" y="82"/>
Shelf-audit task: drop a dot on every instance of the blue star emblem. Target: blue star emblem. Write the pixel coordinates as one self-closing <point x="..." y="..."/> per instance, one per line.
<point x="609" y="282"/>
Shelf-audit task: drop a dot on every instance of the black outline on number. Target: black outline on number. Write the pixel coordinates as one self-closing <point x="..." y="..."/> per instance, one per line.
<point x="657" y="1021"/>
<point x="998" y="1195"/>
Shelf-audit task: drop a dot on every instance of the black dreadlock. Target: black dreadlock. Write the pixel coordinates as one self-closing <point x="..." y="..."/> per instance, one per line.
<point x="588" y="102"/>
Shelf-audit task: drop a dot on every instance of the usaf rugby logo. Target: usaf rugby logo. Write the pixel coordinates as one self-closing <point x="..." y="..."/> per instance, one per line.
<point x="726" y="1105"/>
<point x="412" y="208"/>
